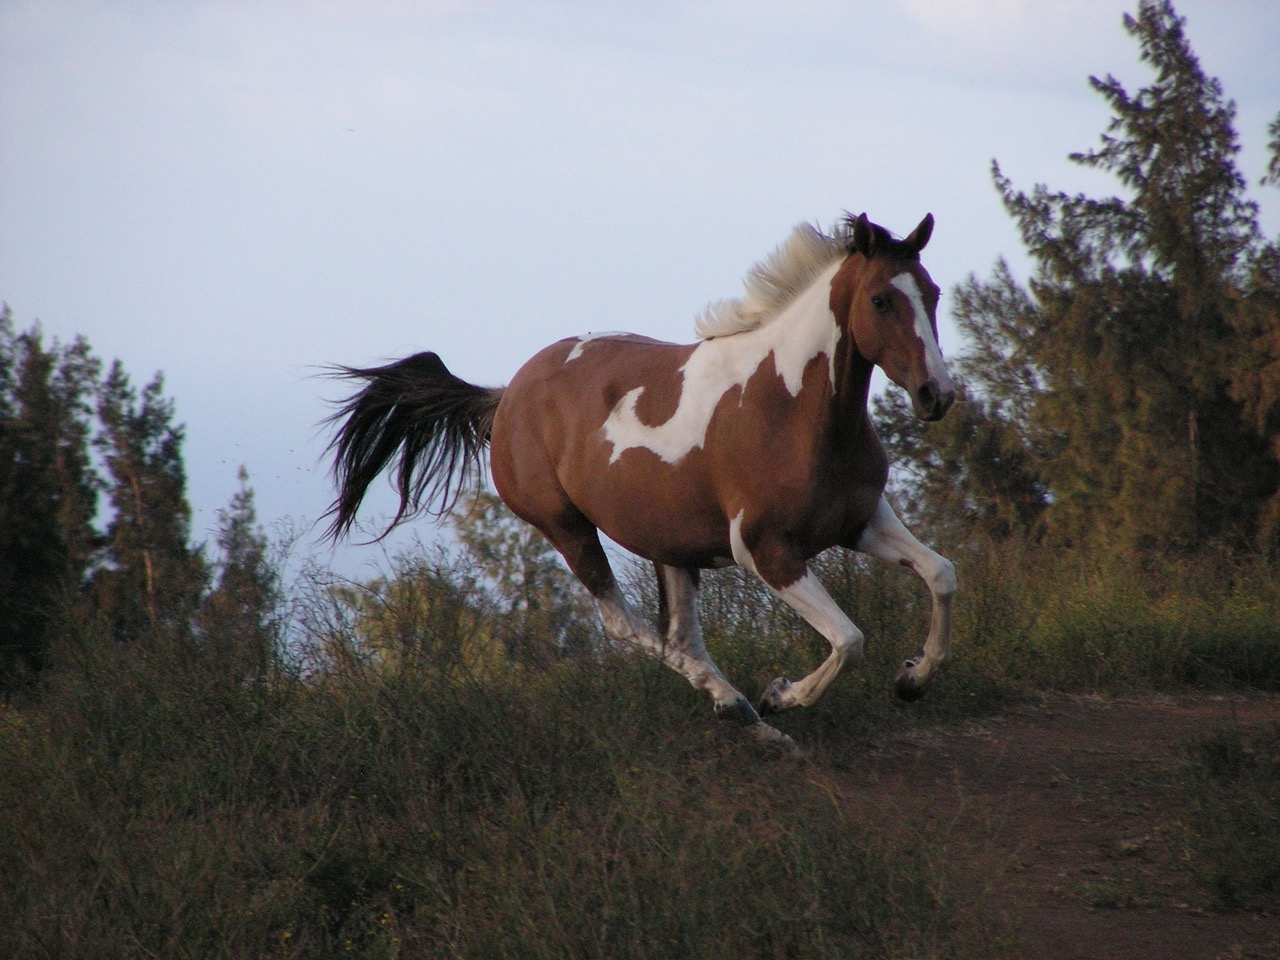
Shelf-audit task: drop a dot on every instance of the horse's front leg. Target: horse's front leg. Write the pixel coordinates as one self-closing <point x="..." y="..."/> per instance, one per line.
<point x="887" y="538"/>
<point x="792" y="582"/>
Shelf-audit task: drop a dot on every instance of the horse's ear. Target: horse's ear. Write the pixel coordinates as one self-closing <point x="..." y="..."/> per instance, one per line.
<point x="921" y="234"/>
<point x="863" y="239"/>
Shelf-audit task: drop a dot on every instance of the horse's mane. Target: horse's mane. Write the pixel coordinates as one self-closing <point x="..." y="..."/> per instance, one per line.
<point x="773" y="283"/>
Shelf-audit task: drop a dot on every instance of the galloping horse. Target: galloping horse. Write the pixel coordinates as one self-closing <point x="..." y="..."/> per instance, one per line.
<point x="751" y="447"/>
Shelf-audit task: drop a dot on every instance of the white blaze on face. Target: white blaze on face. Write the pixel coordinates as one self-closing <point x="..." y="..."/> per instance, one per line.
<point x="803" y="331"/>
<point x="933" y="362"/>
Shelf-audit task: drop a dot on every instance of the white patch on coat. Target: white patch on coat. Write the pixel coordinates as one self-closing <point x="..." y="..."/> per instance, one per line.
<point x="578" y="347"/>
<point x="741" y="555"/>
<point x="804" y="330"/>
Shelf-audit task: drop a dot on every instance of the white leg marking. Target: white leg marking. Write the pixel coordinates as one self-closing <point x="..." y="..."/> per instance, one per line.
<point x="887" y="538"/>
<point x="684" y="636"/>
<point x="690" y="660"/>
<point x="809" y="598"/>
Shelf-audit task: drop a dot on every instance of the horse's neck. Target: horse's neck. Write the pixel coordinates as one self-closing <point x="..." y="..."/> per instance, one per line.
<point x="801" y="332"/>
<point x="807" y="329"/>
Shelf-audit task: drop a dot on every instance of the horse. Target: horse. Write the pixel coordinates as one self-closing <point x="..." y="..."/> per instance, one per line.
<point x="752" y="446"/>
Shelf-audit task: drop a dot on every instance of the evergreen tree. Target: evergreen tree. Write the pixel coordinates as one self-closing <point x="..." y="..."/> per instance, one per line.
<point x="47" y="495"/>
<point x="151" y="578"/>
<point x="241" y="615"/>
<point x="1134" y="384"/>
<point x="968" y="474"/>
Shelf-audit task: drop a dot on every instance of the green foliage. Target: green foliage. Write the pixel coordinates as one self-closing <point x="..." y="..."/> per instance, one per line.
<point x="1234" y="827"/>
<point x="430" y="609"/>
<point x="155" y="578"/>
<point x="241" y="616"/>
<point x="133" y="568"/>
<point x="47" y="490"/>
<point x="1128" y="400"/>
<point x="538" y="605"/>
<point x="1039" y="617"/>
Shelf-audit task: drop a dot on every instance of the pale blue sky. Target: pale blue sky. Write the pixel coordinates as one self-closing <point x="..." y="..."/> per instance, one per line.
<point x="237" y="193"/>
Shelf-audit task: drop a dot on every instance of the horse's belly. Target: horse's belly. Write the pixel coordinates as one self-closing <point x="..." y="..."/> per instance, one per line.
<point x="657" y="511"/>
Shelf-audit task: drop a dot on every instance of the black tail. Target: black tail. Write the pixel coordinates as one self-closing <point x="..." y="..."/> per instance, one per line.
<point x="437" y="424"/>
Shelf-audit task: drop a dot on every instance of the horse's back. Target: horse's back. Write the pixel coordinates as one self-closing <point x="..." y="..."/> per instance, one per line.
<point x="550" y="450"/>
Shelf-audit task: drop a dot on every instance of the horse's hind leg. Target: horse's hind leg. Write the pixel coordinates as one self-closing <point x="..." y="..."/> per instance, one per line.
<point x="678" y="606"/>
<point x="579" y="544"/>
<point x="683" y="650"/>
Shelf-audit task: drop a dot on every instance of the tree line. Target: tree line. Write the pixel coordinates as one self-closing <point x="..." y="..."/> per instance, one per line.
<point x="1128" y="396"/>
<point x="95" y="527"/>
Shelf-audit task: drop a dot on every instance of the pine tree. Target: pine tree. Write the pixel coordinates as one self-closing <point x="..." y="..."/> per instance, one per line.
<point x="240" y="617"/>
<point x="152" y="577"/>
<point x="1137" y="376"/>
<point x="1256" y="384"/>
<point x="47" y="490"/>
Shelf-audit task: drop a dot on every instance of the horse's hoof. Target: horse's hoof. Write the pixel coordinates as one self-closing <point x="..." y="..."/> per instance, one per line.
<point x="777" y="698"/>
<point x="775" y="738"/>
<point x="738" y="712"/>
<point x="906" y="685"/>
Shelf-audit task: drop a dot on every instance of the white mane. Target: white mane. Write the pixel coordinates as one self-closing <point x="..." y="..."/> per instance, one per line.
<point x="773" y="283"/>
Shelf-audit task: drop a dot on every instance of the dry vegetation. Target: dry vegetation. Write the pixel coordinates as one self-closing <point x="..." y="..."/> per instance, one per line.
<point x="389" y="786"/>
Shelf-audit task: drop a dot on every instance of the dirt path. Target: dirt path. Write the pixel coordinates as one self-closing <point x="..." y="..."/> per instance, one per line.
<point x="1082" y="796"/>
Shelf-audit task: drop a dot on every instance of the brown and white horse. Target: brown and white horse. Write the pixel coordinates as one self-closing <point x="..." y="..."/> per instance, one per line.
<point x="751" y="447"/>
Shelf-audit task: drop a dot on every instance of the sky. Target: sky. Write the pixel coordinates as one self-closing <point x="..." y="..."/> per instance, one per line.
<point x="238" y="194"/>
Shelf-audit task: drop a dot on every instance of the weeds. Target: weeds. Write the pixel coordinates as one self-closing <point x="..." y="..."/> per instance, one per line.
<point x="401" y="780"/>
<point x="154" y="806"/>
<point x="1233" y="834"/>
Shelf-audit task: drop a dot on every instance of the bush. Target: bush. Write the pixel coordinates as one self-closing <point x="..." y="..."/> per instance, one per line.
<point x="1032" y="617"/>
<point x="1234" y="825"/>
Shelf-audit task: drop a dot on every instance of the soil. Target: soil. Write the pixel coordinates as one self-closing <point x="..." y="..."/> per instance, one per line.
<point x="1077" y="806"/>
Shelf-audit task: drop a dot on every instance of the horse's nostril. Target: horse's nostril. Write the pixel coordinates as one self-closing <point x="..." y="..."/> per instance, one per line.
<point x="928" y="395"/>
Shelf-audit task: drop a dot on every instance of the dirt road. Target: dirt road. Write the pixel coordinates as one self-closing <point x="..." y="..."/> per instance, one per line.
<point x="1077" y="804"/>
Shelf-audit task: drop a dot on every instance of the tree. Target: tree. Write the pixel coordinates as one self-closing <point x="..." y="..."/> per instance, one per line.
<point x="47" y="490"/>
<point x="540" y="607"/>
<point x="1135" y="384"/>
<point x="429" y="616"/>
<point x="151" y="577"/>
<point x="240" y="616"/>
<point x="970" y="473"/>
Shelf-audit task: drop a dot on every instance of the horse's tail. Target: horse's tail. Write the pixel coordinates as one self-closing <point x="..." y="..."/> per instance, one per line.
<point x="437" y="424"/>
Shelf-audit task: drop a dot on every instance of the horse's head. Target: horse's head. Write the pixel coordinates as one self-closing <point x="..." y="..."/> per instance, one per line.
<point x="888" y="304"/>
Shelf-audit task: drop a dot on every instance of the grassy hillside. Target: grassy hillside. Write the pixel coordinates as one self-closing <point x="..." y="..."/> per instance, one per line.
<point x="422" y="796"/>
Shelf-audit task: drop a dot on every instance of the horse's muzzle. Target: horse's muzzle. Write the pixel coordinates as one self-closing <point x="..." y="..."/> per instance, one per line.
<point x="933" y="399"/>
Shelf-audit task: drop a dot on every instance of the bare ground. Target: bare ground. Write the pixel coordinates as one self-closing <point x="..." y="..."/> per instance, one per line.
<point x="1074" y="807"/>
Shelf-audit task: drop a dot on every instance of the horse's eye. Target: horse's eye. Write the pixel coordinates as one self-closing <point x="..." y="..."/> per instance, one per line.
<point x="881" y="302"/>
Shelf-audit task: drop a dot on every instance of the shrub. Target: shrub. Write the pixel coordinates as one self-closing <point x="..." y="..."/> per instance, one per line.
<point x="1234" y="823"/>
